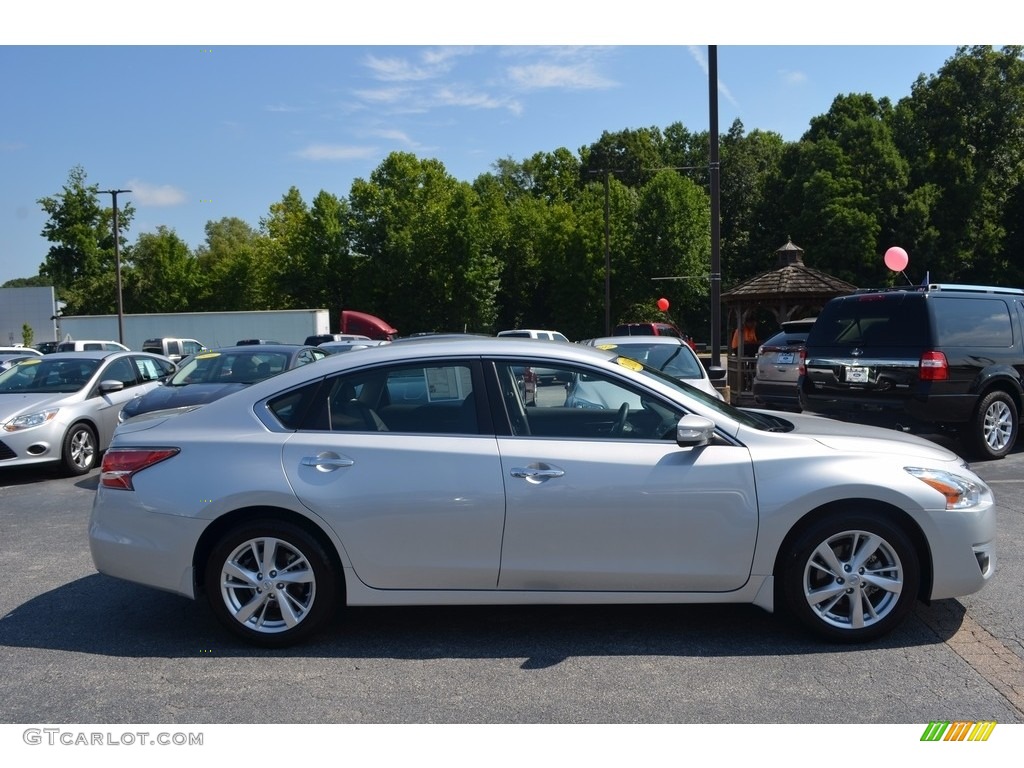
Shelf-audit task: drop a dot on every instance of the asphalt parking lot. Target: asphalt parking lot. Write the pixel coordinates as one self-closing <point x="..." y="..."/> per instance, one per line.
<point x="78" y="647"/>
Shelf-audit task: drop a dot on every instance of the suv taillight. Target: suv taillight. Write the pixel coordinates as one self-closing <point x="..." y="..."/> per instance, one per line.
<point x="933" y="367"/>
<point x="121" y="464"/>
<point x="802" y="361"/>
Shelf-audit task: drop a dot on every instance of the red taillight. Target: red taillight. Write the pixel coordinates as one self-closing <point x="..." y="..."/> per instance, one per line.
<point x="120" y="464"/>
<point x="802" y="361"/>
<point x="933" y="367"/>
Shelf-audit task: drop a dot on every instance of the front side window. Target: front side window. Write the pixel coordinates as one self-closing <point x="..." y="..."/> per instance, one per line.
<point x="589" y="405"/>
<point x="120" y="370"/>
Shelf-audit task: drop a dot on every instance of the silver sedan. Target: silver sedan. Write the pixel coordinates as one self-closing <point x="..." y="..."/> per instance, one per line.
<point x="62" y="408"/>
<point x="416" y="474"/>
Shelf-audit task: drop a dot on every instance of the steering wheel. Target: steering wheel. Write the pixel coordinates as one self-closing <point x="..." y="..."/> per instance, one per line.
<point x="619" y="427"/>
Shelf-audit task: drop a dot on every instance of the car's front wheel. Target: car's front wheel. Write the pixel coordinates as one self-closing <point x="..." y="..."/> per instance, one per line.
<point x="993" y="431"/>
<point x="78" y="452"/>
<point x="271" y="583"/>
<point x="851" y="577"/>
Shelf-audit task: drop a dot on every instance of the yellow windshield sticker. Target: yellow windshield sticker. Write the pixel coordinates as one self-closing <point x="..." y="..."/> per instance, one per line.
<point x="30" y="362"/>
<point x="207" y="355"/>
<point x="633" y="365"/>
<point x="607" y="346"/>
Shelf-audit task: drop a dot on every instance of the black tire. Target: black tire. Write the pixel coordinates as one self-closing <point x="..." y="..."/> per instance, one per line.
<point x="79" y="449"/>
<point x="993" y="430"/>
<point x="251" y="602"/>
<point x="871" y="558"/>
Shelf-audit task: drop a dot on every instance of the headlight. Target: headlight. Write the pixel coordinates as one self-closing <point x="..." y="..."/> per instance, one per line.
<point x="960" y="492"/>
<point x="29" y="420"/>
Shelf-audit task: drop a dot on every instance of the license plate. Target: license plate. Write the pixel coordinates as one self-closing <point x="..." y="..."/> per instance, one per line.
<point x="857" y="375"/>
<point x="785" y="357"/>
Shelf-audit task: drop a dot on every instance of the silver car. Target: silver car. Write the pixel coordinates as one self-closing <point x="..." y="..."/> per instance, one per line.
<point x="62" y="408"/>
<point x="416" y="474"/>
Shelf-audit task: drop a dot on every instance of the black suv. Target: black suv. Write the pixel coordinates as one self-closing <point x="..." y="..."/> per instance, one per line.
<point x="946" y="357"/>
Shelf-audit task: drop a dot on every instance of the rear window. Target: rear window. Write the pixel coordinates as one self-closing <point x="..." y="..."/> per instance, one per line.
<point x="876" y="320"/>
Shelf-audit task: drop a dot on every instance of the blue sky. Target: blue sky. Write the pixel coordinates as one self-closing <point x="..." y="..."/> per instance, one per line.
<point x="202" y="129"/>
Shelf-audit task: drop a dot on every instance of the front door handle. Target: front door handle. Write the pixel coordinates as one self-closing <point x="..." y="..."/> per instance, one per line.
<point x="536" y="473"/>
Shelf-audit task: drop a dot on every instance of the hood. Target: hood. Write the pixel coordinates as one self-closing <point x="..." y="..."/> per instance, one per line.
<point x="860" y="438"/>
<point x="17" y="403"/>
<point x="176" y="397"/>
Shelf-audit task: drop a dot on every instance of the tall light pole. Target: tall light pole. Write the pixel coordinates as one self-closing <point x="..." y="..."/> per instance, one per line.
<point x="117" y="261"/>
<point x="716" y="244"/>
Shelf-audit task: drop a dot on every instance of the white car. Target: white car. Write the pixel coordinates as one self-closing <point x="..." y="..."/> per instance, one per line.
<point x="669" y="354"/>
<point x="62" y="408"/>
<point x="415" y="474"/>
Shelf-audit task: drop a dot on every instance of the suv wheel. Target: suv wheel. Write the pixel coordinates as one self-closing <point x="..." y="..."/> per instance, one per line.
<point x="993" y="431"/>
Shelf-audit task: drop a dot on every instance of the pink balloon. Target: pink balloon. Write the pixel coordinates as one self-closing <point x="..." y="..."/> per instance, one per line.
<point x="663" y="305"/>
<point x="896" y="259"/>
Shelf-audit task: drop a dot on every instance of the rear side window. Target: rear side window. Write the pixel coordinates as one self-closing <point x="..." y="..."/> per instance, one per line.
<point x="972" y="322"/>
<point x="890" y="320"/>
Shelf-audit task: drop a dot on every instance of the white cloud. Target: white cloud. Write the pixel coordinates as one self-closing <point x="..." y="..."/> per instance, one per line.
<point x="573" y="77"/>
<point x="793" y="76"/>
<point x="697" y="52"/>
<point x="335" y="152"/>
<point x="155" y="195"/>
<point x="453" y="96"/>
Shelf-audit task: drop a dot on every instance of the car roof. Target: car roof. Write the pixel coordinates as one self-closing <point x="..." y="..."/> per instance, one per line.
<point x="259" y="348"/>
<point x="21" y="351"/>
<point x="634" y="340"/>
<point x="95" y="354"/>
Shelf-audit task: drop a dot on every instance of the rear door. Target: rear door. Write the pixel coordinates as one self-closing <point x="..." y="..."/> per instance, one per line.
<point x="398" y="461"/>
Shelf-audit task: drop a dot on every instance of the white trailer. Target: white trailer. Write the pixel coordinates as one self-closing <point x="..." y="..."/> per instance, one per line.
<point x="213" y="329"/>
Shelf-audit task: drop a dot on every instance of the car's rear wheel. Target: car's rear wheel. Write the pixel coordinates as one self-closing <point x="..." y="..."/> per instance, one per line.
<point x="993" y="431"/>
<point x="78" y="451"/>
<point x="851" y="577"/>
<point x="271" y="583"/>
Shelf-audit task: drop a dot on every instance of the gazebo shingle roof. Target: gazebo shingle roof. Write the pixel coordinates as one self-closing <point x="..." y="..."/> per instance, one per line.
<point x="792" y="280"/>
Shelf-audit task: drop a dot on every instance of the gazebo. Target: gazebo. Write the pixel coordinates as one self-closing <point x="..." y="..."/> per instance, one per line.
<point x="791" y="291"/>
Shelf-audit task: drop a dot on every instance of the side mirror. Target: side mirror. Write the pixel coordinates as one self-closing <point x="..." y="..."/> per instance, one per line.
<point x="693" y="430"/>
<point x="716" y="372"/>
<point x="111" y="385"/>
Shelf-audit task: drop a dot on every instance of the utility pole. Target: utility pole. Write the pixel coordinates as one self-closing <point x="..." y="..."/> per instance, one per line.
<point x="716" y="244"/>
<point x="117" y="261"/>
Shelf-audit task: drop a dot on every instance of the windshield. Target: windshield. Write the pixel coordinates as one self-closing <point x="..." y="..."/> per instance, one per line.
<point x="752" y="419"/>
<point x="245" y="367"/>
<point x="48" y="375"/>
<point x="674" y="359"/>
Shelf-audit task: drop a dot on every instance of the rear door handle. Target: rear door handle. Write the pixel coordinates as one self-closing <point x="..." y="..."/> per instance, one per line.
<point x="326" y="461"/>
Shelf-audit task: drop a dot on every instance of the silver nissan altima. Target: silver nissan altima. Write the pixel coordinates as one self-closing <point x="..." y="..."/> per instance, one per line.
<point x="416" y="473"/>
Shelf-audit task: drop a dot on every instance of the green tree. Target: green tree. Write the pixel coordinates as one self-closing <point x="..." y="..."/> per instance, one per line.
<point x="428" y="268"/>
<point x="672" y="238"/>
<point x="633" y="155"/>
<point x="161" y="274"/>
<point x="234" y="268"/>
<point x="27" y="334"/>
<point x="962" y="131"/>
<point x="80" y="261"/>
<point x="37" y="281"/>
